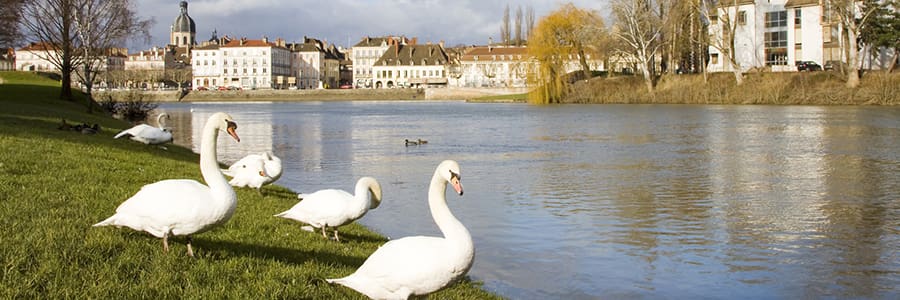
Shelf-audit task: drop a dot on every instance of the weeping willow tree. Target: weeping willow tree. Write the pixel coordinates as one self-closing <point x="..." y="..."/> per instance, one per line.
<point x="564" y="37"/>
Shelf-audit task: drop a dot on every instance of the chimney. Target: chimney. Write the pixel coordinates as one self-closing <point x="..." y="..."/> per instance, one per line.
<point x="265" y="40"/>
<point x="415" y="40"/>
<point x="490" y="43"/>
<point x="441" y="43"/>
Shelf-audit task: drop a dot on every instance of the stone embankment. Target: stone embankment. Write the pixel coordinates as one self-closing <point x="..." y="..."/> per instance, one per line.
<point x="310" y="95"/>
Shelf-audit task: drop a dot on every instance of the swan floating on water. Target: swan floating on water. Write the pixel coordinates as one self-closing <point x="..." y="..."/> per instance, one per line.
<point x="254" y="170"/>
<point x="419" y="265"/>
<point x="334" y="208"/>
<point x="183" y="207"/>
<point x="148" y="134"/>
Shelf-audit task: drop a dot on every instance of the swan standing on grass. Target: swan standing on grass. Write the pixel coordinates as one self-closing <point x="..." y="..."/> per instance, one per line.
<point x="335" y="208"/>
<point x="177" y="207"/>
<point x="148" y="134"/>
<point x="419" y="265"/>
<point x="254" y="170"/>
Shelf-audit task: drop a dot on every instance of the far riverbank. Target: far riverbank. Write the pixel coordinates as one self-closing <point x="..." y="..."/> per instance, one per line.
<point x="313" y="95"/>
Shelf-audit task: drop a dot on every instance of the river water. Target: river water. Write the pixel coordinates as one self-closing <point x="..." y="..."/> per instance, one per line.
<point x="613" y="201"/>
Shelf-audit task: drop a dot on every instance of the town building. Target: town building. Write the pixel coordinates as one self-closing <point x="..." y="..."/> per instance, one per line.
<point x="411" y="65"/>
<point x="184" y="31"/>
<point x="364" y="55"/>
<point x="489" y="66"/>
<point x="242" y="63"/>
<point x="316" y="64"/>
<point x="775" y="34"/>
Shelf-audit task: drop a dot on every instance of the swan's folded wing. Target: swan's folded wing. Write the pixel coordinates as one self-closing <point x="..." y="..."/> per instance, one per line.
<point x="167" y="200"/>
<point x="411" y="261"/>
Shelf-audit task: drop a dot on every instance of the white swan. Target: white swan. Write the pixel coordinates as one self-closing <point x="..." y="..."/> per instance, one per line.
<point x="254" y="170"/>
<point x="419" y="265"/>
<point x="177" y="207"/>
<point x="335" y="208"/>
<point x="148" y="134"/>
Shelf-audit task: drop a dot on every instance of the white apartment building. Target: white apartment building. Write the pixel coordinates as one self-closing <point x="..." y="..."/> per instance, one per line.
<point x="152" y="59"/>
<point x="487" y="66"/>
<point x="315" y="64"/>
<point x="411" y="66"/>
<point x="364" y="55"/>
<point x="39" y="57"/>
<point x="248" y="64"/>
<point x="775" y="34"/>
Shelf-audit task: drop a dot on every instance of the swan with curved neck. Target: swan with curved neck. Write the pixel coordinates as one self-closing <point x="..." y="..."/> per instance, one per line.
<point x="183" y="207"/>
<point x="419" y="265"/>
<point x="335" y="208"/>
<point x="148" y="134"/>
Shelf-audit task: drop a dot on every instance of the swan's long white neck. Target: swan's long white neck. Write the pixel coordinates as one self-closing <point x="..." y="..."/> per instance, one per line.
<point x="452" y="228"/>
<point x="159" y="120"/>
<point x="362" y="196"/>
<point x="209" y="165"/>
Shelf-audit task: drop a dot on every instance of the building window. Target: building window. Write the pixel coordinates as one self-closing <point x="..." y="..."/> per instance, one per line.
<point x="797" y="18"/>
<point x="714" y="59"/>
<point x="776" y="19"/>
<point x="742" y="17"/>
<point x="776" y="48"/>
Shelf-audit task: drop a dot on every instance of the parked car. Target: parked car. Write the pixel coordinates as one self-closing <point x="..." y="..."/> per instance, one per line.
<point x="807" y="66"/>
<point x="834" y="65"/>
<point x="202" y="88"/>
<point x="346" y="86"/>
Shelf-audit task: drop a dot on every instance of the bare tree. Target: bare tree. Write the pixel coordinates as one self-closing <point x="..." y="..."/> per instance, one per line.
<point x="10" y="12"/>
<point x="518" y="26"/>
<point x="51" y="23"/>
<point x="74" y="30"/>
<point x="722" y="17"/>
<point x="101" y="25"/>
<point x="504" y="27"/>
<point x="852" y="16"/>
<point x="529" y="22"/>
<point x="638" y="29"/>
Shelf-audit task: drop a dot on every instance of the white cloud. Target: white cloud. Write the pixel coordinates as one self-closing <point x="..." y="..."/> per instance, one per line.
<point x="344" y="22"/>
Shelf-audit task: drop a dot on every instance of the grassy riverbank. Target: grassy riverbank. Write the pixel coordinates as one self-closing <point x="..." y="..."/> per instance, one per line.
<point x="788" y="88"/>
<point x="55" y="184"/>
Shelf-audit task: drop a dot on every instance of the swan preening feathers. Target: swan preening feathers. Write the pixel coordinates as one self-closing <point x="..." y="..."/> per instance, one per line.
<point x="335" y="208"/>
<point x="148" y="134"/>
<point x="419" y="265"/>
<point x="182" y="207"/>
<point x="254" y="170"/>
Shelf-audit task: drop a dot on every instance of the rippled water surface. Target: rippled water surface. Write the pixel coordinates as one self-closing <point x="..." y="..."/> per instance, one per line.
<point x="614" y="201"/>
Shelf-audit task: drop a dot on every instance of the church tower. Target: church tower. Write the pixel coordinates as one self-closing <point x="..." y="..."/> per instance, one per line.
<point x="184" y="31"/>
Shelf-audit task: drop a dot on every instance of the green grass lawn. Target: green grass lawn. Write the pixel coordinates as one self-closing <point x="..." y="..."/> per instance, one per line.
<point x="55" y="184"/>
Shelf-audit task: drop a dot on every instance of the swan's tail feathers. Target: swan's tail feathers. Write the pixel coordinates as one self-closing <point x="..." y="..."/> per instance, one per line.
<point x="282" y="215"/>
<point x="301" y="196"/>
<point x="370" y="289"/>
<point x="121" y="134"/>
<point x="109" y="221"/>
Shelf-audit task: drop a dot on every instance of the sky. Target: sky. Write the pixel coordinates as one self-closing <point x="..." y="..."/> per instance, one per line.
<point x="345" y="22"/>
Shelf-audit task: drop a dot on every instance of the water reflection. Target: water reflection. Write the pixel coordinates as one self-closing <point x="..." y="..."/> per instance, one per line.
<point x="632" y="201"/>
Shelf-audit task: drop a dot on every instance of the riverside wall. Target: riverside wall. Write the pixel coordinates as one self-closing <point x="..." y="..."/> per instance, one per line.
<point x="310" y="95"/>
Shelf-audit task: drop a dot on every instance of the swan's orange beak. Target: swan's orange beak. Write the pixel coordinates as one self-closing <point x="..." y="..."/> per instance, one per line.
<point x="456" y="186"/>
<point x="231" y="131"/>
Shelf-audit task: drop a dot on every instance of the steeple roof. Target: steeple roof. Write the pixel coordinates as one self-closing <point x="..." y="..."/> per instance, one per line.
<point x="184" y="23"/>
